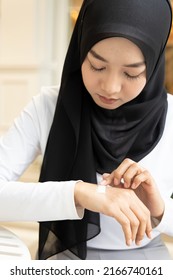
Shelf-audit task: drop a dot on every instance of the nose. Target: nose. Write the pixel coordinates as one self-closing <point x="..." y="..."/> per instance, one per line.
<point x="111" y="84"/>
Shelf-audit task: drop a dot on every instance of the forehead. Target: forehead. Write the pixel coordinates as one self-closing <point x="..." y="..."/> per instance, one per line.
<point x="115" y="47"/>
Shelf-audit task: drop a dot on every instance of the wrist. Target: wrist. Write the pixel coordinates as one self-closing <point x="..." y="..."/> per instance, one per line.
<point x="82" y="192"/>
<point x="158" y="218"/>
<point x="77" y="190"/>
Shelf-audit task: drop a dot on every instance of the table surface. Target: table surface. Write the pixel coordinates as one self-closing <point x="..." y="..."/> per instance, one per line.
<point x="11" y="247"/>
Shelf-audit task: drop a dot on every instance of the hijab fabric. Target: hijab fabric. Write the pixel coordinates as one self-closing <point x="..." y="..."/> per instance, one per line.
<point x="84" y="138"/>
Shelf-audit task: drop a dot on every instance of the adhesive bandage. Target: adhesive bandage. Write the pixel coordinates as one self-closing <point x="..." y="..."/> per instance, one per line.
<point x="101" y="189"/>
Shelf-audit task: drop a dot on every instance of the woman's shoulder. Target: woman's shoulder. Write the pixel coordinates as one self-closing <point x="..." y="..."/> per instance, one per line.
<point x="170" y="97"/>
<point x="169" y="118"/>
<point x="49" y="94"/>
<point x="170" y="104"/>
<point x="45" y="101"/>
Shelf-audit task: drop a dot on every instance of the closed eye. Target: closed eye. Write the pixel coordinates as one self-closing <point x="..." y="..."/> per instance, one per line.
<point x="132" y="77"/>
<point x="94" y="68"/>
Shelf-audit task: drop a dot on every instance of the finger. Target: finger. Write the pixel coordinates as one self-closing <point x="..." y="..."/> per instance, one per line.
<point x="134" y="222"/>
<point x="130" y="174"/>
<point x="143" y="215"/>
<point x="143" y="177"/>
<point x="140" y="233"/>
<point x="123" y="174"/>
<point x="126" y="226"/>
<point x="107" y="179"/>
<point x="149" y="229"/>
<point x="145" y="227"/>
<point x="105" y="175"/>
<point x="122" y="169"/>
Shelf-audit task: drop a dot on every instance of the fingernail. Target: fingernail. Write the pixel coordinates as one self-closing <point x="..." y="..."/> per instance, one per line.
<point x="116" y="181"/>
<point x="103" y="182"/>
<point x="138" y="242"/>
<point x="129" y="242"/>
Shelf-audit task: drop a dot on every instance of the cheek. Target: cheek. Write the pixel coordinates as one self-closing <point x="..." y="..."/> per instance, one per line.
<point x="88" y="79"/>
<point x="141" y="85"/>
<point x="133" y="89"/>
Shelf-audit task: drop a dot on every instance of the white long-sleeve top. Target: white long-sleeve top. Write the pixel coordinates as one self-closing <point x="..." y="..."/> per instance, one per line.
<point x="20" y="201"/>
<point x="24" y="141"/>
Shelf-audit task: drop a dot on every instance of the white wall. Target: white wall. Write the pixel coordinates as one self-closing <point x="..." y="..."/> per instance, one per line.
<point x="33" y="41"/>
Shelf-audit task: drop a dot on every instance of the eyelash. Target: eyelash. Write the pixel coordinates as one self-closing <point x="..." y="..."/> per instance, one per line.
<point x="94" y="69"/>
<point x="132" y="77"/>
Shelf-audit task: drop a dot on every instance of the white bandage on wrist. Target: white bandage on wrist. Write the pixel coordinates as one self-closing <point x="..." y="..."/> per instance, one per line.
<point x="101" y="189"/>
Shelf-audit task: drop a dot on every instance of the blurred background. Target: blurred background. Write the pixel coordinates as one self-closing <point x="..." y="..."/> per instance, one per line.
<point x="34" y="36"/>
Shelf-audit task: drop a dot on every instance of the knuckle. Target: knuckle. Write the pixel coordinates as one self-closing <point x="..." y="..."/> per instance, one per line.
<point x="135" y="224"/>
<point x="148" y="214"/>
<point x="137" y="180"/>
<point x="140" y="236"/>
<point x="126" y="223"/>
<point x="110" y="209"/>
<point x="135" y="165"/>
<point x="129" y="194"/>
<point x="116" y="174"/>
<point x="143" y="219"/>
<point x="127" y="177"/>
<point x="128" y="161"/>
<point x="148" y="175"/>
<point x="146" y="172"/>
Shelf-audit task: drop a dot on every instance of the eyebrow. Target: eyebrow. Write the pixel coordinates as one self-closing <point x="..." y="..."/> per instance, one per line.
<point x="135" y="65"/>
<point x="96" y="55"/>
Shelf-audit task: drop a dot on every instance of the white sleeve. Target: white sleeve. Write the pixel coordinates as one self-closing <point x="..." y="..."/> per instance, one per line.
<point x="38" y="201"/>
<point x="166" y="225"/>
<point x="18" y="148"/>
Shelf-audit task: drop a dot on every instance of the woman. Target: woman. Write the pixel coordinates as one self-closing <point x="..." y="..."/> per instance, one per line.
<point x="112" y="118"/>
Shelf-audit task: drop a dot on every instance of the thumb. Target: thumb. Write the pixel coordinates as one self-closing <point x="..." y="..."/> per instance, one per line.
<point x="107" y="179"/>
<point x="105" y="175"/>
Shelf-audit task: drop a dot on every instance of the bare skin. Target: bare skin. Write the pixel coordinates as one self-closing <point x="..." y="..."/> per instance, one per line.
<point x="140" y="180"/>
<point x="114" y="72"/>
<point x="121" y="204"/>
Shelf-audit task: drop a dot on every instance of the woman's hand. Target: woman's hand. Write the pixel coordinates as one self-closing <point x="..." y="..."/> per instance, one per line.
<point x="130" y="175"/>
<point x="121" y="204"/>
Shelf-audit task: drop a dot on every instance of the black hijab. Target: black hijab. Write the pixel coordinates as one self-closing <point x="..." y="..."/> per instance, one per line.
<point x="84" y="138"/>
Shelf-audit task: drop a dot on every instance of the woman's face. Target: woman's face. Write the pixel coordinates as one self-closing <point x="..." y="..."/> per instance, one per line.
<point x="114" y="72"/>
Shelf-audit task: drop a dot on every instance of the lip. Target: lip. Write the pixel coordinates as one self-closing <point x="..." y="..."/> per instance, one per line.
<point x="105" y="100"/>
